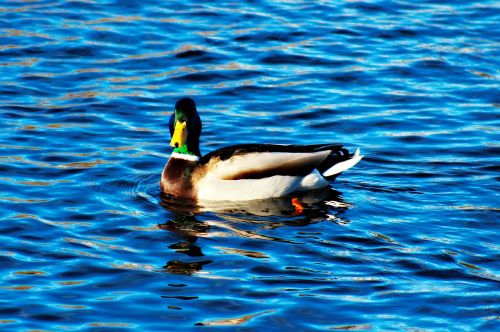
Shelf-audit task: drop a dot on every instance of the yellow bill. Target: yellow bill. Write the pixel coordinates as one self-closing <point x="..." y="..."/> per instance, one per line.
<point x="180" y="134"/>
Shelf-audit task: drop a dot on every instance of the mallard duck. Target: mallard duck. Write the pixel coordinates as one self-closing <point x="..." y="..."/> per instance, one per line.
<point x="245" y="171"/>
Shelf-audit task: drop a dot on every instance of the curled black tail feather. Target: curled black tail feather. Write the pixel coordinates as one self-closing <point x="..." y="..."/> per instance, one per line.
<point x="337" y="156"/>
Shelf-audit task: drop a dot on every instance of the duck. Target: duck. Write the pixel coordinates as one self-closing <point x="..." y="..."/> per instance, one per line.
<point x="244" y="172"/>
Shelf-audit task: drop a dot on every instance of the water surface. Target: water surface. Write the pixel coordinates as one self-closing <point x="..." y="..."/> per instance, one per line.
<point x="406" y="240"/>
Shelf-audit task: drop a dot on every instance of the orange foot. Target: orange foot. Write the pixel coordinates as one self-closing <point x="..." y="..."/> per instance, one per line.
<point x="298" y="207"/>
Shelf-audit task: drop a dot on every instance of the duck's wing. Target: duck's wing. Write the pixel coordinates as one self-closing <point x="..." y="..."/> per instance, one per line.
<point x="256" y="161"/>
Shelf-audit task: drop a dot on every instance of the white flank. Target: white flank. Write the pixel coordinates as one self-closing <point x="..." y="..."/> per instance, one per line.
<point x="266" y="160"/>
<point x="189" y="157"/>
<point x="344" y="165"/>
<point x="211" y="188"/>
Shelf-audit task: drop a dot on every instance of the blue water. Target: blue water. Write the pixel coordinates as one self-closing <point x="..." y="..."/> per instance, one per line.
<point x="407" y="240"/>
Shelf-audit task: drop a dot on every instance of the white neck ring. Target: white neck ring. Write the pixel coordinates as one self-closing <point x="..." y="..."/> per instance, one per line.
<point x="189" y="157"/>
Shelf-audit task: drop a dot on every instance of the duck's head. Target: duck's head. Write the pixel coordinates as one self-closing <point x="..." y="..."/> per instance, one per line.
<point x="185" y="128"/>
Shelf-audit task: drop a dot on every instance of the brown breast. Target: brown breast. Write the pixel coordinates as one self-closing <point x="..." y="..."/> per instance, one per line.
<point x="178" y="178"/>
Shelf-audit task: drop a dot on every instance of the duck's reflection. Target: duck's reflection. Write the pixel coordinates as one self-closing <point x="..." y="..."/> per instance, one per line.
<point x="180" y="267"/>
<point x="189" y="229"/>
<point x="307" y="204"/>
<point x="246" y="220"/>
